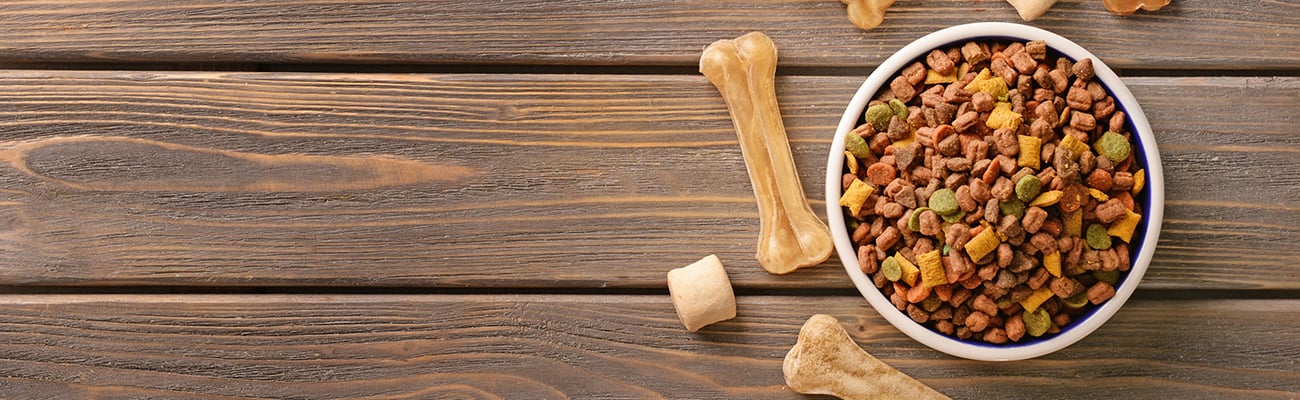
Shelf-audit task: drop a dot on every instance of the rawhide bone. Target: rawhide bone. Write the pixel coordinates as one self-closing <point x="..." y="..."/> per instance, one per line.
<point x="790" y="234"/>
<point x="825" y="360"/>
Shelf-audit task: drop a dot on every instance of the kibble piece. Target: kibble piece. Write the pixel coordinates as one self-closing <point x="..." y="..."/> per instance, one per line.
<point x="878" y="116"/>
<point x="1100" y="292"/>
<point x="891" y="269"/>
<point x="1083" y="69"/>
<point x="940" y="62"/>
<point x="856" y="196"/>
<point x="1113" y="146"/>
<point x="1028" y="187"/>
<point x="974" y="53"/>
<point x="1036" y="322"/>
<point x="1124" y="228"/>
<point x="944" y="202"/>
<point x="1097" y="237"/>
<point x="1030" y="149"/>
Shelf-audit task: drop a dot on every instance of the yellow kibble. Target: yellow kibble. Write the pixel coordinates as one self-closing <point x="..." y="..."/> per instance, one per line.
<point x="1003" y="117"/>
<point x="910" y="272"/>
<point x="905" y="141"/>
<point x="987" y="83"/>
<point x="851" y="161"/>
<point x="1139" y="180"/>
<point x="963" y="69"/>
<point x="1073" y="224"/>
<point x="1073" y="144"/>
<point x="982" y="244"/>
<point x="1124" y="227"/>
<point x="932" y="273"/>
<point x="1046" y="198"/>
<point x="1052" y="263"/>
<point x="1031" y="149"/>
<point x="856" y="196"/>
<point x="933" y="77"/>
<point x="1037" y="298"/>
<point x="1097" y="194"/>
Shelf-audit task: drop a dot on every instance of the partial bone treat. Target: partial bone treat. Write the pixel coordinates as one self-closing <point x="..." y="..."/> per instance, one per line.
<point x="790" y="234"/>
<point x="1128" y="7"/>
<point x="702" y="293"/>
<point x="867" y="14"/>
<point x="1031" y="9"/>
<point x="825" y="360"/>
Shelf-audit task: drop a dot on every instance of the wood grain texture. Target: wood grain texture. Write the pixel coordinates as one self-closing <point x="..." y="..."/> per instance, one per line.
<point x="1189" y="34"/>
<point x="623" y="347"/>
<point x="555" y="181"/>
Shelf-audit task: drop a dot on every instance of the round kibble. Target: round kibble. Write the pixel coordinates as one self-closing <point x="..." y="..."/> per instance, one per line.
<point x="1036" y="322"/>
<point x="1028" y="187"/>
<point x="858" y="146"/>
<point x="944" y="202"/>
<point x="1113" y="146"/>
<point x="1097" y="237"/>
<point x="878" y="115"/>
<point x="892" y="269"/>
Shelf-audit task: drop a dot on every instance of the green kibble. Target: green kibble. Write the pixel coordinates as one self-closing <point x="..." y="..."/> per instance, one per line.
<point x="892" y="270"/>
<point x="1028" y="187"/>
<point x="1004" y="302"/>
<point x="899" y="108"/>
<point x="946" y="249"/>
<point x="878" y="116"/>
<point x="1097" y="238"/>
<point x="914" y="223"/>
<point x="1012" y="207"/>
<point x="954" y="217"/>
<point x="1113" y="146"/>
<point x="944" y="201"/>
<point x="854" y="143"/>
<point x="1037" y="322"/>
<point x="1110" y="277"/>
<point x="1076" y="301"/>
<point x="931" y="303"/>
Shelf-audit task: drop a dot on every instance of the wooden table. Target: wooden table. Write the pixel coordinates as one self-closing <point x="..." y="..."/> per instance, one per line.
<point x="479" y="199"/>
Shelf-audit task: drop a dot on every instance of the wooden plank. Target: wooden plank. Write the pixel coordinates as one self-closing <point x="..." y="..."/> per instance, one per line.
<point x="1189" y="34"/>
<point x="197" y="179"/>
<point x="621" y="346"/>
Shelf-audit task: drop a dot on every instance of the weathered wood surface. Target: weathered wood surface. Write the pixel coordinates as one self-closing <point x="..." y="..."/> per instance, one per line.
<point x="1189" y="34"/>
<point x="560" y="181"/>
<point x="623" y="347"/>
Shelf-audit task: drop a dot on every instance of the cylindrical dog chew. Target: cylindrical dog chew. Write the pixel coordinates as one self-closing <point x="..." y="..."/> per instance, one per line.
<point x="790" y="234"/>
<point x="825" y="360"/>
<point x="702" y="293"/>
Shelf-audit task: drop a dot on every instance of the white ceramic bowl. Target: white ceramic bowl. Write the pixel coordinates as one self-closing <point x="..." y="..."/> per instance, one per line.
<point x="1152" y="198"/>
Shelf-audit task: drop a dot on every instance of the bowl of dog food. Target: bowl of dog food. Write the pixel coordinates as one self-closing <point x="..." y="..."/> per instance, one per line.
<point x="994" y="191"/>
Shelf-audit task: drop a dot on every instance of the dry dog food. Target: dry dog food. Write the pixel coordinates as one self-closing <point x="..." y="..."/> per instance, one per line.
<point x="992" y="194"/>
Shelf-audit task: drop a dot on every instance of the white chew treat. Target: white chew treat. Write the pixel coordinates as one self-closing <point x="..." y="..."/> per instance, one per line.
<point x="701" y="293"/>
<point x="1031" y="9"/>
<point x="825" y="360"/>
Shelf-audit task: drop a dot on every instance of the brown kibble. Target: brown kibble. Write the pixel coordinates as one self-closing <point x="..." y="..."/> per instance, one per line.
<point x="903" y="90"/>
<point x="977" y="321"/>
<point x="917" y="314"/>
<point x="1064" y="287"/>
<point x="1034" y="218"/>
<point x="888" y="238"/>
<point x="1100" y="179"/>
<point x="1005" y="255"/>
<point x="1015" y="328"/>
<point x="983" y="102"/>
<point x="1002" y="67"/>
<point x="915" y="73"/>
<point x="1060" y="82"/>
<point x="867" y="259"/>
<point x="1122" y="181"/>
<point x="1117" y="121"/>
<point x="995" y="336"/>
<point x="1083" y="69"/>
<point x="1100" y="292"/>
<point x="930" y="223"/>
<point x="881" y="174"/>
<point x="1083" y="121"/>
<point x="1079" y="99"/>
<point x="1110" y="211"/>
<point x="939" y="62"/>
<point x="974" y="53"/>
<point x="965" y="200"/>
<point x="1023" y="62"/>
<point x="1103" y="108"/>
<point x="1036" y="49"/>
<point x="965" y="121"/>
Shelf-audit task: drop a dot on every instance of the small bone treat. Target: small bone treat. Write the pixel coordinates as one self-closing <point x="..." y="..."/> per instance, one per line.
<point x="702" y="293"/>
<point x="825" y="360"/>
<point x="1030" y="10"/>
<point x="1128" y="7"/>
<point x="790" y="234"/>
<point x="867" y="14"/>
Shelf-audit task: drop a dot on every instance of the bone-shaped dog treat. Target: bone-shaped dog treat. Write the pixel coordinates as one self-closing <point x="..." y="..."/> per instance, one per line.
<point x="790" y="234"/>
<point x="867" y="14"/>
<point x="1030" y="10"/>
<point x="825" y="360"/>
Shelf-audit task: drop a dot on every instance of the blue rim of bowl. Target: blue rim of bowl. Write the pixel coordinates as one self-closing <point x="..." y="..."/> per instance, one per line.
<point x="1151" y="197"/>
